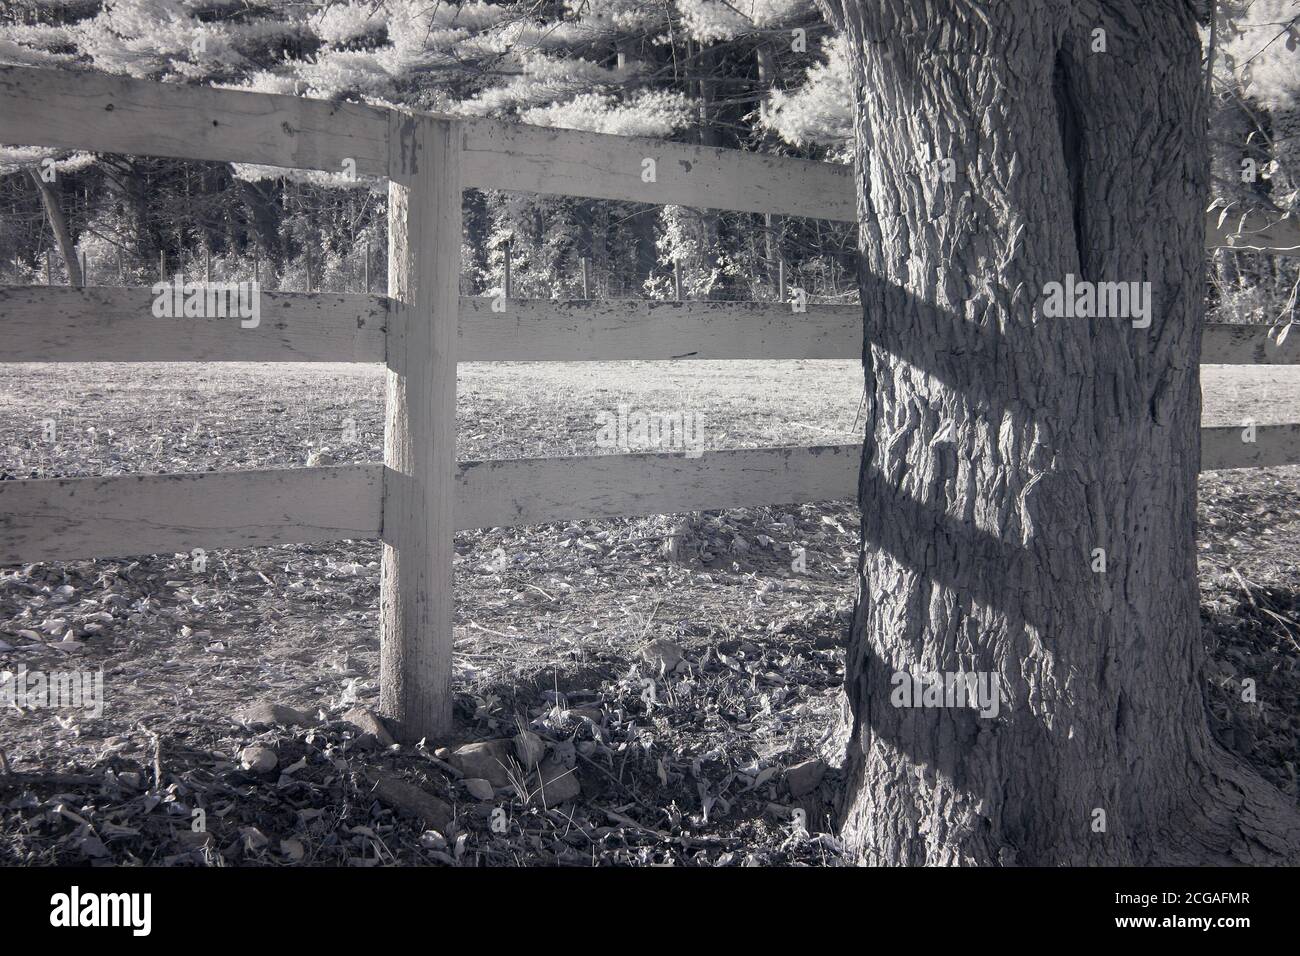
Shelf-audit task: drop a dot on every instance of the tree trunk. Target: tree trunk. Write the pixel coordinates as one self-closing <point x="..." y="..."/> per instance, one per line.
<point x="59" y="226"/>
<point x="1003" y="447"/>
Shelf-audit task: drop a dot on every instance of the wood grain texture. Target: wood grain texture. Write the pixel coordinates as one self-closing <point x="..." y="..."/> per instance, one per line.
<point x="107" y="324"/>
<point x="115" y="114"/>
<point x="1222" y="447"/>
<point x="534" y="159"/>
<point x="74" y="518"/>
<point x="1223" y="344"/>
<point x="416" y="603"/>
<point x="61" y="519"/>
<point x="103" y="324"/>
<point x="533" y="330"/>
<point x="534" y="490"/>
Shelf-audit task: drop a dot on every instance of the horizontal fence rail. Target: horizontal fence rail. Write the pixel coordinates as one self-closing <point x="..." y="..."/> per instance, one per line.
<point x="113" y="114"/>
<point x="96" y="111"/>
<point x="52" y="519"/>
<point x="55" y="519"/>
<point x="120" y="115"/>
<point x="628" y="329"/>
<point x="535" y="159"/>
<point x="537" y="490"/>
<point x="1224" y="446"/>
<point x="107" y="324"/>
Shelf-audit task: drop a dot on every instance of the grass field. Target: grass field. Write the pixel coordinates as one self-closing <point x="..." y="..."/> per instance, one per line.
<point x="550" y="629"/>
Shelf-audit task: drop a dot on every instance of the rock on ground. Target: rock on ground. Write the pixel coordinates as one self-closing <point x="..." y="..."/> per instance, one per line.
<point x="555" y="783"/>
<point x="489" y="759"/>
<point x="267" y="714"/>
<point x="529" y="748"/>
<point x="407" y="798"/>
<point x="663" y="654"/>
<point x="804" y="777"/>
<point x="258" y="759"/>
<point x="371" y="726"/>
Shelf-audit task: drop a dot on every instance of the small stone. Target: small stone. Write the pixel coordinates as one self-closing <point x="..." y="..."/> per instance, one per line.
<point x="319" y="459"/>
<point x="489" y="759"/>
<point x="555" y="784"/>
<point x="478" y="788"/>
<point x="663" y="654"/>
<point x="268" y="715"/>
<point x="258" y="759"/>
<point x="804" y="777"/>
<point x="433" y="813"/>
<point x="92" y="846"/>
<point x="529" y="748"/>
<point x="293" y="849"/>
<point x="594" y="714"/>
<point x="371" y="726"/>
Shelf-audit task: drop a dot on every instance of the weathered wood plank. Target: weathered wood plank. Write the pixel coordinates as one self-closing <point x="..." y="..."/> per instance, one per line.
<point x="75" y="518"/>
<point x="60" y="519"/>
<point x="101" y="324"/>
<point x="416" y="604"/>
<point x="531" y="491"/>
<point x="1223" y="446"/>
<point x="1255" y="230"/>
<point x="114" y="114"/>
<point x="1224" y="344"/>
<point x="105" y="324"/>
<point x="535" y="159"/>
<point x="538" y="330"/>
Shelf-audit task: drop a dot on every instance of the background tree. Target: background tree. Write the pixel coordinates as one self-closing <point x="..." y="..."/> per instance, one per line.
<point x="697" y="71"/>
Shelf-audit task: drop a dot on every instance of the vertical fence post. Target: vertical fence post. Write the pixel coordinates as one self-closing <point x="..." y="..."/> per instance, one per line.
<point x="677" y="280"/>
<point x="416" y="601"/>
<point x="586" y="278"/>
<point x="366" y="268"/>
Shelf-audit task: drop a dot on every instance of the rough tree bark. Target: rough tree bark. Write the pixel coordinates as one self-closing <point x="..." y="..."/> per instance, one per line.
<point x="1003" y="447"/>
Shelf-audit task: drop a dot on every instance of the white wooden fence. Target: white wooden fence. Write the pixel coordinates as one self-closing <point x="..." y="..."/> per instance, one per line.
<point x="420" y="495"/>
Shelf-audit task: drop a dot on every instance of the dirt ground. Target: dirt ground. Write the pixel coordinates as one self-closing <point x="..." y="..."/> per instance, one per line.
<point x="550" y="628"/>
